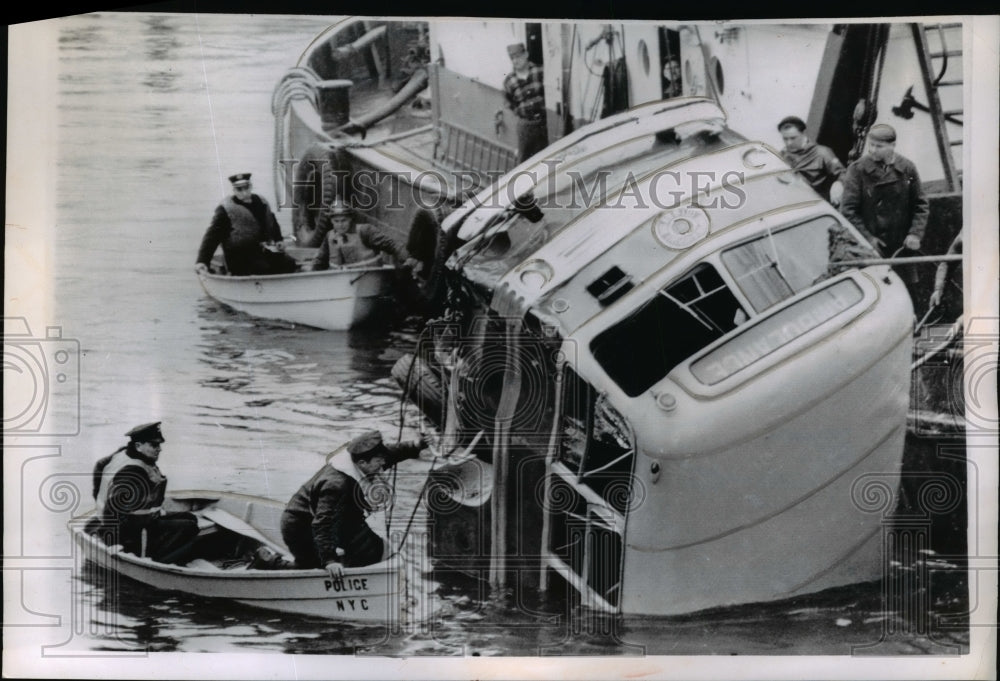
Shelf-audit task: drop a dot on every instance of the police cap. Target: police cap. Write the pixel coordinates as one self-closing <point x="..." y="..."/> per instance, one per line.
<point x="366" y="445"/>
<point x="147" y="432"/>
<point x="240" y="179"/>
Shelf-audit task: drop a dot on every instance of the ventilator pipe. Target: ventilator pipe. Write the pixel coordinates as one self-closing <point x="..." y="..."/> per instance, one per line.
<point x="362" y="42"/>
<point x="418" y="81"/>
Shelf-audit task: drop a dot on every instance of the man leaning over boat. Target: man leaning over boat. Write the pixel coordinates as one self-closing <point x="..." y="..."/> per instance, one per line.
<point x="326" y="522"/>
<point x="350" y="245"/>
<point x="248" y="232"/>
<point x="130" y="488"/>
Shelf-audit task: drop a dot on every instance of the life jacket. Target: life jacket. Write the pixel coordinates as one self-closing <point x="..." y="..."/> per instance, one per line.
<point x="120" y="460"/>
<point x="245" y="232"/>
<point x="354" y="249"/>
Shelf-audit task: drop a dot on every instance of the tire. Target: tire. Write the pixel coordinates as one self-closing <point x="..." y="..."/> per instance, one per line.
<point x="421" y="384"/>
<point x="307" y="216"/>
<point x="429" y="245"/>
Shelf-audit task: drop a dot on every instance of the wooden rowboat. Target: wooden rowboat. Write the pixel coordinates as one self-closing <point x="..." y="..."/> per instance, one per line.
<point x="232" y="527"/>
<point x="335" y="300"/>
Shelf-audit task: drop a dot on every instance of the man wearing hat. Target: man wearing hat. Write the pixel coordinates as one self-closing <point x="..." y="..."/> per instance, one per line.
<point x="248" y="232"/>
<point x="347" y="245"/>
<point x="883" y="196"/>
<point x="817" y="164"/>
<point x="129" y="489"/>
<point x="327" y="521"/>
<point x="524" y="89"/>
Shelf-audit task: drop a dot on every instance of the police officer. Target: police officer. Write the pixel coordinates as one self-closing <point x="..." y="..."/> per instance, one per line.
<point x="325" y="522"/>
<point x="248" y="232"/>
<point x="129" y="489"/>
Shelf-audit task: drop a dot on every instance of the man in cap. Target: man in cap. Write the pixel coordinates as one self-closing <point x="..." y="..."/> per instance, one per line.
<point x="347" y="245"/>
<point x="817" y="164"/>
<point x="883" y="196"/>
<point x="326" y="523"/>
<point x="524" y="89"/>
<point x="129" y="489"/>
<point x="248" y="232"/>
<point x="672" y="84"/>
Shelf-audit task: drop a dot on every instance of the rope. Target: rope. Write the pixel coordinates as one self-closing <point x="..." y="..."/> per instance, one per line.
<point x="298" y="82"/>
<point x="399" y="438"/>
<point x="355" y="144"/>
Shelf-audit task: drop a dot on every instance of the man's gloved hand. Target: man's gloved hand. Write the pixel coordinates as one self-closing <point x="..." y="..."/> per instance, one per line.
<point x="335" y="569"/>
<point x="912" y="242"/>
<point x="836" y="193"/>
<point x="935" y="298"/>
<point x="200" y="268"/>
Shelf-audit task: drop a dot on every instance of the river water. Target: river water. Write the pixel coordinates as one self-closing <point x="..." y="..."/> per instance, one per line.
<point x="154" y="112"/>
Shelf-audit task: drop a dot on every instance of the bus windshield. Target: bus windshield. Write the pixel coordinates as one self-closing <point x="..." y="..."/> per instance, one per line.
<point x="694" y="311"/>
<point x="782" y="263"/>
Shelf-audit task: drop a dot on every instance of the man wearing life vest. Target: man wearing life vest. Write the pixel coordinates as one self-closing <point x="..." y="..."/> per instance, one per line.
<point x="130" y="488"/>
<point x="348" y="246"/>
<point x="248" y="232"/>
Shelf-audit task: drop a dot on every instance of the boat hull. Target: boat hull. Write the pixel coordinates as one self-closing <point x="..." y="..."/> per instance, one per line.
<point x="367" y="594"/>
<point x="335" y="300"/>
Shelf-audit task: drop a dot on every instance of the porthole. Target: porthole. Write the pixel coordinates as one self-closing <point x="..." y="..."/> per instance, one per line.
<point x="644" y="56"/>
<point x="717" y="76"/>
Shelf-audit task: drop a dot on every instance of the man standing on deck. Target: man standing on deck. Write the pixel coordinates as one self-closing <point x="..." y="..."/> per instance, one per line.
<point x="883" y="196"/>
<point x="672" y="86"/>
<point x="248" y="232"/>
<point x="524" y="89"/>
<point x="817" y="164"/>
<point x="325" y="522"/>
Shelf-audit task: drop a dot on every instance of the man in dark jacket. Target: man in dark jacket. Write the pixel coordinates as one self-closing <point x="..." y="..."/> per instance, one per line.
<point x="248" y="232"/>
<point x="883" y="196"/>
<point x="817" y="164"/>
<point x="130" y="488"/>
<point x="325" y="522"/>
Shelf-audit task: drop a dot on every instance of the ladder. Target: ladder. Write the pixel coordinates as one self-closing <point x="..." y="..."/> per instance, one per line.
<point x="940" y="59"/>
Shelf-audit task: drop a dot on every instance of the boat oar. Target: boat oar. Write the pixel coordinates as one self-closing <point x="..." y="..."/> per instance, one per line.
<point x="225" y="519"/>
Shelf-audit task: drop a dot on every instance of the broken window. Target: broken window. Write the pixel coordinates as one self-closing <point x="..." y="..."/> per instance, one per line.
<point x="681" y="319"/>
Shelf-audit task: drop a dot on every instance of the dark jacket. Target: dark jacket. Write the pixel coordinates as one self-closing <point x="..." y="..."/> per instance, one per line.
<point x="885" y="202"/>
<point x="240" y="228"/>
<point x="129" y="492"/>
<point x="817" y="164"/>
<point x="333" y="504"/>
